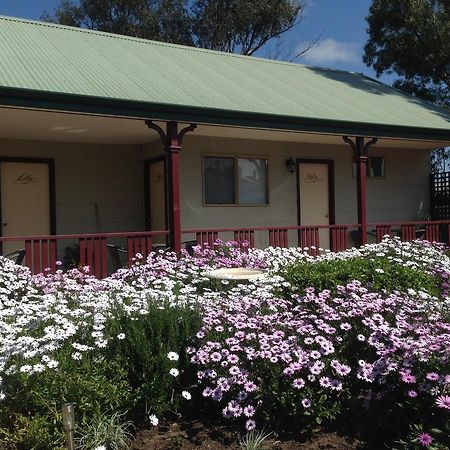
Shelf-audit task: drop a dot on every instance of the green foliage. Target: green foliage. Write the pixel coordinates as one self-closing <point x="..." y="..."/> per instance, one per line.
<point x="111" y="431"/>
<point x="138" y="18"/>
<point x="129" y="376"/>
<point x="254" y="440"/>
<point x="440" y="438"/>
<point x="377" y="273"/>
<point x="410" y="38"/>
<point x="240" y="25"/>
<point x="31" y="433"/>
<point x="149" y="339"/>
<point x="232" y="26"/>
<point x="30" y="417"/>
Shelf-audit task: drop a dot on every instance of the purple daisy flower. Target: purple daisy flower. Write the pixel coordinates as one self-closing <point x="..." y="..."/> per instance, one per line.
<point x="207" y="392"/>
<point x="249" y="411"/>
<point x="234" y="370"/>
<point x="443" y="401"/>
<point x="298" y="383"/>
<point x="250" y="386"/>
<point x="425" y="439"/>
<point x="216" y="357"/>
<point x="408" y="378"/>
<point x="432" y="376"/>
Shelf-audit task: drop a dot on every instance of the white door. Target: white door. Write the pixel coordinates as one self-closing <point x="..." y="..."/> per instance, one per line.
<point x="25" y="201"/>
<point x="157" y="197"/>
<point x="314" y="198"/>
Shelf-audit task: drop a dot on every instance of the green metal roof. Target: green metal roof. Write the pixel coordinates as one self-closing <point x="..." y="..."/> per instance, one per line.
<point x="58" y="67"/>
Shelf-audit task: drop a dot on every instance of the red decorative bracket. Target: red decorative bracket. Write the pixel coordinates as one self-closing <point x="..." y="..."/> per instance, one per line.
<point x="358" y="146"/>
<point x="158" y="129"/>
<point x="165" y="139"/>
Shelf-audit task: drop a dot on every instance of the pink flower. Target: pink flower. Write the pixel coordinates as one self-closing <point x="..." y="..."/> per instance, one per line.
<point x="425" y="439"/>
<point x="249" y="411"/>
<point x="443" y="401"/>
<point x="408" y="378"/>
<point x="306" y="402"/>
<point x="298" y="383"/>
<point x="432" y="376"/>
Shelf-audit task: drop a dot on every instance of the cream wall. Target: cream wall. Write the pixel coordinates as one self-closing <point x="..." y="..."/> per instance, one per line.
<point x="402" y="195"/>
<point x="110" y="176"/>
<point x="90" y="177"/>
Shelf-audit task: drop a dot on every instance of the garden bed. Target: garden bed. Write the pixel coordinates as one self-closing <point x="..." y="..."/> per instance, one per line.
<point x="195" y="435"/>
<point x="358" y="338"/>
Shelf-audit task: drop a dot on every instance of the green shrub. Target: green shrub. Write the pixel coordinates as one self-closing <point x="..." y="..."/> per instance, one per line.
<point x="148" y="340"/>
<point x="376" y="273"/>
<point x="30" y="417"/>
<point x="131" y="376"/>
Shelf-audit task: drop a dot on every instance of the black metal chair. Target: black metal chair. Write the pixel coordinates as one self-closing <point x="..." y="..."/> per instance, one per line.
<point x="114" y="252"/>
<point x="188" y="245"/>
<point x="18" y="256"/>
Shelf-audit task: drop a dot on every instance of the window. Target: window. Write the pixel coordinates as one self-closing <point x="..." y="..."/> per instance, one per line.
<point x="220" y="183"/>
<point x="230" y="180"/>
<point x="375" y="167"/>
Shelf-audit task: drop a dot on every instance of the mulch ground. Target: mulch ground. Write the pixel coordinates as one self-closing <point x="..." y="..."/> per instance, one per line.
<point x="195" y="435"/>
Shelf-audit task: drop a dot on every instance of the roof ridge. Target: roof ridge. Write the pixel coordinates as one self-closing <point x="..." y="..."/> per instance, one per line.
<point x="170" y="44"/>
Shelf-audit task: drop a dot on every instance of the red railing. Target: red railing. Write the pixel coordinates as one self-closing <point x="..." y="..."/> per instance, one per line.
<point x="433" y="231"/>
<point x="106" y="252"/>
<point x="334" y="237"/>
<point x="102" y="252"/>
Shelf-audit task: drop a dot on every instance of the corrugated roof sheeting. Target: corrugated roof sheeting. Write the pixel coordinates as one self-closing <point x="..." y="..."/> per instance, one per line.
<point x="57" y="59"/>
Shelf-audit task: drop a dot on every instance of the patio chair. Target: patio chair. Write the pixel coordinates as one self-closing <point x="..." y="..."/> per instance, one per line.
<point x="355" y="237"/>
<point x="188" y="245"/>
<point x="17" y="256"/>
<point x="114" y="253"/>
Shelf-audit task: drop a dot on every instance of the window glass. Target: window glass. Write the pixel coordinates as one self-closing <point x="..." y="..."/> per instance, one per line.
<point x="375" y="166"/>
<point x="252" y="181"/>
<point x="219" y="180"/>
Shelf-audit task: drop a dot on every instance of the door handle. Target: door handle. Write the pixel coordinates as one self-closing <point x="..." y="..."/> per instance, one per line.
<point x="5" y="223"/>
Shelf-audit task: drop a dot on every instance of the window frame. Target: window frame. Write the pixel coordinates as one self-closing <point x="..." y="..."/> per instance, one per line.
<point x="382" y="177"/>
<point x="236" y="157"/>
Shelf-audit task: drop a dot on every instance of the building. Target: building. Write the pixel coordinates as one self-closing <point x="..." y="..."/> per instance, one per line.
<point x="109" y="141"/>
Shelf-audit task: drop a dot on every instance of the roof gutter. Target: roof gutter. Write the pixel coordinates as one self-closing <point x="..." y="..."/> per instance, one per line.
<point x="74" y="103"/>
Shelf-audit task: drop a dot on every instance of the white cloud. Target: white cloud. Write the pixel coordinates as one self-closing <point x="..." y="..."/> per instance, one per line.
<point x="330" y="51"/>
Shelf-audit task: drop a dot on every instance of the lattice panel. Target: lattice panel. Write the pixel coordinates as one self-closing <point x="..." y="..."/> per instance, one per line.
<point x="440" y="196"/>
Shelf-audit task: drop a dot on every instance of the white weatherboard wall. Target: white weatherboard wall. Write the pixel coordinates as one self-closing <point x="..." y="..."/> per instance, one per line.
<point x="402" y="195"/>
<point x="111" y="176"/>
<point x="90" y="176"/>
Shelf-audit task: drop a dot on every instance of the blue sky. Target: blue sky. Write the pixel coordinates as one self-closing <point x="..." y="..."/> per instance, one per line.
<point x="341" y="24"/>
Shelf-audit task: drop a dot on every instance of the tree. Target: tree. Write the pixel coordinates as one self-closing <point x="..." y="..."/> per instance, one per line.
<point x="412" y="39"/>
<point x="164" y="19"/>
<point x="230" y="25"/>
<point x="242" y="25"/>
